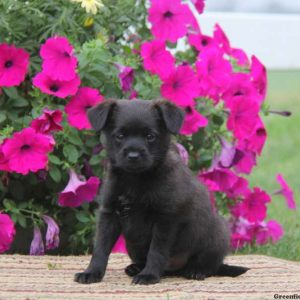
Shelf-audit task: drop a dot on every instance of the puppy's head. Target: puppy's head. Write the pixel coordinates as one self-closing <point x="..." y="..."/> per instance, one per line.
<point x="137" y="132"/>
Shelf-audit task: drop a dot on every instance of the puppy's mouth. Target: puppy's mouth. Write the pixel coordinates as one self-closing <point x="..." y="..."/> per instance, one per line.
<point x="135" y="168"/>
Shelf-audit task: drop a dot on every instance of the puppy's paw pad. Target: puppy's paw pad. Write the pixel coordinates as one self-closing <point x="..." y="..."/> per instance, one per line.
<point x="193" y="274"/>
<point x="87" y="278"/>
<point x="133" y="269"/>
<point x="145" y="279"/>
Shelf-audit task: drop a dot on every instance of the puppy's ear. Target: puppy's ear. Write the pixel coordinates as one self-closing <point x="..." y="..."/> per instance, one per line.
<point x="98" y="115"/>
<point x="171" y="114"/>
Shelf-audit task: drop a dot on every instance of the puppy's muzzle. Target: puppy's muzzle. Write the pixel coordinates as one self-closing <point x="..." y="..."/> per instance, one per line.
<point x="134" y="159"/>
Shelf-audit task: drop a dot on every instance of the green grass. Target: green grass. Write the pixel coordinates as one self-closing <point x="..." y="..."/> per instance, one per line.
<point x="281" y="155"/>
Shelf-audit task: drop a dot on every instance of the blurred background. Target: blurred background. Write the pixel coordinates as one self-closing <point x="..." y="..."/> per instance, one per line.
<point x="270" y="29"/>
<point x="256" y="6"/>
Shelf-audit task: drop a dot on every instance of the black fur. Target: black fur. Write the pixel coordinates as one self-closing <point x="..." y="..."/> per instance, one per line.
<point x="151" y="197"/>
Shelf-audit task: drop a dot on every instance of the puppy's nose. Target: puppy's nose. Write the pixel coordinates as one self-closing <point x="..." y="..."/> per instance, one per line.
<point x="133" y="156"/>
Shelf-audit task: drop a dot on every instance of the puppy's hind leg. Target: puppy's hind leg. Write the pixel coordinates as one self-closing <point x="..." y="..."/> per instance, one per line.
<point x="231" y="271"/>
<point x="200" y="267"/>
<point x="134" y="269"/>
<point x="193" y="269"/>
<point x="187" y="272"/>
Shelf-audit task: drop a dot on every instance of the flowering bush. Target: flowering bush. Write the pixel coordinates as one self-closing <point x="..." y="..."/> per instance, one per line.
<point x="70" y="57"/>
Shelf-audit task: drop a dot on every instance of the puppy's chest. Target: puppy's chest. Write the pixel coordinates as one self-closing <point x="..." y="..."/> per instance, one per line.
<point x="136" y="218"/>
<point x="130" y="209"/>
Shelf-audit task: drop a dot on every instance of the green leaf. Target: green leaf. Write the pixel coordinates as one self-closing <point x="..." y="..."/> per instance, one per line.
<point x="95" y="160"/>
<point x="2" y="116"/>
<point x="74" y="138"/>
<point x="13" y="115"/>
<point x="22" y="205"/>
<point x="205" y="157"/>
<point x="55" y="173"/>
<point x="11" y="92"/>
<point x="54" y="159"/>
<point x="14" y="217"/>
<point x="82" y="217"/>
<point x="20" y="102"/>
<point x="92" y="142"/>
<point x="71" y="153"/>
<point x="198" y="139"/>
<point x="22" y="220"/>
<point x="17" y="100"/>
<point x="218" y="120"/>
<point x="8" y="204"/>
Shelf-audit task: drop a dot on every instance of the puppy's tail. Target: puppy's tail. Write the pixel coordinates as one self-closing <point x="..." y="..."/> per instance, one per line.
<point x="231" y="271"/>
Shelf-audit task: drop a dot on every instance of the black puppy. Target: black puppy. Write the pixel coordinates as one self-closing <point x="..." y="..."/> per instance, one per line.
<point x="151" y="197"/>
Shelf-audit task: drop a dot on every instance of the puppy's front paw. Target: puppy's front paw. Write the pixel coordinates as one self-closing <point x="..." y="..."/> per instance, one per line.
<point x="87" y="277"/>
<point x="145" y="279"/>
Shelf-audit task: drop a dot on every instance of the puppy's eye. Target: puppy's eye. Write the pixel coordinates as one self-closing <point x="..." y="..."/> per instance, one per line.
<point x="120" y="137"/>
<point x="151" y="137"/>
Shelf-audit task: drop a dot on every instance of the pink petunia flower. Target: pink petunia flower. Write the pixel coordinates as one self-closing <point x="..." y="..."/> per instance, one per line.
<point x="126" y="77"/>
<point x="183" y="153"/>
<point x="37" y="245"/>
<point x="181" y="87"/>
<point x="256" y="140"/>
<point x="199" y="5"/>
<point x="78" y="191"/>
<point x="229" y="155"/>
<point x="223" y="41"/>
<point x="243" y="117"/>
<point x="14" y="64"/>
<point x="275" y="230"/>
<point x="218" y="180"/>
<point x="253" y="207"/>
<point x="193" y="120"/>
<point x="193" y="25"/>
<point x="245" y="232"/>
<point x="242" y="233"/>
<point x="224" y="180"/>
<point x="201" y="41"/>
<point x="221" y="38"/>
<point x="240" y="86"/>
<point x="133" y="95"/>
<point x="214" y="73"/>
<point x="52" y="234"/>
<point x="239" y="188"/>
<point x="77" y="107"/>
<point x="169" y="19"/>
<point x="240" y="56"/>
<point x="246" y="162"/>
<point x="232" y="156"/>
<point x="7" y="232"/>
<point x="156" y="59"/>
<point x="49" y="121"/>
<point x="58" y="88"/>
<point x="287" y="192"/>
<point x="59" y="61"/>
<point x="27" y="151"/>
<point x="270" y="231"/>
<point x="120" y="245"/>
<point x="259" y="77"/>
<point x="238" y="240"/>
<point x="4" y="166"/>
